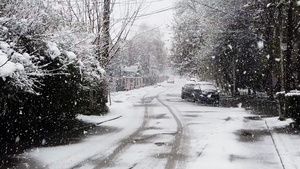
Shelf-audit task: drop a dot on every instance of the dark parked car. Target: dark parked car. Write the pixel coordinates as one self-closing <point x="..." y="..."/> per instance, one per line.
<point x="187" y="90"/>
<point x="206" y="92"/>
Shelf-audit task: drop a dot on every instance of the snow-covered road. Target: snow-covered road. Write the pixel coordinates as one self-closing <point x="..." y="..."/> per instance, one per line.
<point x="159" y="130"/>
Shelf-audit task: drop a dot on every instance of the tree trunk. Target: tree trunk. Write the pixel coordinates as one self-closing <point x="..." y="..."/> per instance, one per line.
<point x="234" y="80"/>
<point x="297" y="83"/>
<point x="290" y="35"/>
<point x="105" y="32"/>
<point x="282" y="59"/>
<point x="270" y="62"/>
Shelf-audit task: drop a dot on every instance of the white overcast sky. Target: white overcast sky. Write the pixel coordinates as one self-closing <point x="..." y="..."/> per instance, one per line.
<point x="162" y="20"/>
<point x="159" y="13"/>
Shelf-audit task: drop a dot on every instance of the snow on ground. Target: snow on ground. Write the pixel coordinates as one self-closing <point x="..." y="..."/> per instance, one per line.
<point x="67" y="156"/>
<point x="216" y="137"/>
<point x="287" y="144"/>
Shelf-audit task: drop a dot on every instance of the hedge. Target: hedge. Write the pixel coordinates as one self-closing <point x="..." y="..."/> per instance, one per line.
<point x="289" y="104"/>
<point x="292" y="106"/>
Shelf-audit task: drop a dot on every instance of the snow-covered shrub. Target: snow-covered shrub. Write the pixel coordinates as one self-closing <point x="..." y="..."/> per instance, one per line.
<point x="292" y="105"/>
<point x="50" y="38"/>
<point x="18" y="69"/>
<point x="93" y="95"/>
<point x="280" y="96"/>
<point x="45" y="66"/>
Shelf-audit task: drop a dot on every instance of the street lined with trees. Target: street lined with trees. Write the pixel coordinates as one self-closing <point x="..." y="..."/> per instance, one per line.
<point x="60" y="59"/>
<point x="250" y="45"/>
<point x="247" y="44"/>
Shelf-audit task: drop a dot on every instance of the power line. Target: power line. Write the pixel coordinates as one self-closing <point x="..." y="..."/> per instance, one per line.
<point x="123" y="3"/>
<point x="151" y="13"/>
<point x="157" y="11"/>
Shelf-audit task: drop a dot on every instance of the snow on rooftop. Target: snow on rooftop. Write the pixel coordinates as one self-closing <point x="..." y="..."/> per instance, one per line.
<point x="131" y="69"/>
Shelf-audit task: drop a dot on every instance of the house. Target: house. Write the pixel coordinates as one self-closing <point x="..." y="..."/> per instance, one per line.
<point x="131" y="78"/>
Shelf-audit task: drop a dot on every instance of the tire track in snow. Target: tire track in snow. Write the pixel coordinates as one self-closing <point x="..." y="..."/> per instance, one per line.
<point x="108" y="161"/>
<point x="126" y="142"/>
<point x="174" y="156"/>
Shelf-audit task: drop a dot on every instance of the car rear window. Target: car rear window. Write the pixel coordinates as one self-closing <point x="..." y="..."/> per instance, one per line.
<point x="207" y="87"/>
<point x="197" y="87"/>
<point x="189" y="86"/>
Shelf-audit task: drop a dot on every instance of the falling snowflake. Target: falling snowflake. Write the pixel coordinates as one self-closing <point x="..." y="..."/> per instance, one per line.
<point x="17" y="139"/>
<point x="260" y="44"/>
<point x="43" y="142"/>
<point x="230" y="47"/>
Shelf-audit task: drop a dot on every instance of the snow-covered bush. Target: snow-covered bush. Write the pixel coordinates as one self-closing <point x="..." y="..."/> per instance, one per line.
<point x="280" y="96"/>
<point x="47" y="70"/>
<point x="31" y="40"/>
<point x="292" y="105"/>
<point x="289" y="104"/>
<point x="18" y="69"/>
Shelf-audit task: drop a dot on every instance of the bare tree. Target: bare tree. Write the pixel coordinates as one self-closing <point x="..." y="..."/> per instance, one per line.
<point x="100" y="19"/>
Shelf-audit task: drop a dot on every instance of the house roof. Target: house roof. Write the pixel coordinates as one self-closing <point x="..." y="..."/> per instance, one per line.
<point x="132" y="69"/>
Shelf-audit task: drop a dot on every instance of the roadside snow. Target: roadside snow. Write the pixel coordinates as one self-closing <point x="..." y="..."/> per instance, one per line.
<point x="287" y="144"/>
<point x="274" y="122"/>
